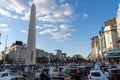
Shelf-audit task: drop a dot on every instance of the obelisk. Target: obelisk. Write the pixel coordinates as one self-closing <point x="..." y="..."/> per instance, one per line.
<point x="31" y="43"/>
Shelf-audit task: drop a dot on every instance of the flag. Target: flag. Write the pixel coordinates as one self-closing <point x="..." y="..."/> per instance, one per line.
<point x="95" y="40"/>
<point x="103" y="42"/>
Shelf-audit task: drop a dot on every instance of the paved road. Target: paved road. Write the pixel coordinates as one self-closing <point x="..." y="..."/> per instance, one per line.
<point x="84" y="78"/>
<point x="30" y="76"/>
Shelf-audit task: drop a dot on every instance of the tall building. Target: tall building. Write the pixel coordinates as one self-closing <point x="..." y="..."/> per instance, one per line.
<point x="118" y="26"/>
<point x="15" y="52"/>
<point x="31" y="43"/>
<point x="118" y="21"/>
<point x="102" y="43"/>
<point x="95" y="47"/>
<point x="110" y="32"/>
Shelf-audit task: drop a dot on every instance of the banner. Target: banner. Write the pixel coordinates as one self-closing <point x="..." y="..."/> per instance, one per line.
<point x="103" y="42"/>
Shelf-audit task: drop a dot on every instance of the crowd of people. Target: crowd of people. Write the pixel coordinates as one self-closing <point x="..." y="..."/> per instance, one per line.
<point x="71" y="70"/>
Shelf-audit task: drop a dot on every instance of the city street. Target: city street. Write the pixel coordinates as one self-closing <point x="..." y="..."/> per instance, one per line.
<point x="30" y="76"/>
<point x="59" y="40"/>
<point x="84" y="78"/>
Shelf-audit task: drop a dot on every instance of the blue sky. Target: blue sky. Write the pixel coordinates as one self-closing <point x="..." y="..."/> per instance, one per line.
<point x="61" y="24"/>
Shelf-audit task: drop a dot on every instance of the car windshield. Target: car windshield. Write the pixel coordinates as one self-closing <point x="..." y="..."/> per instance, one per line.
<point x="97" y="74"/>
<point x="13" y="74"/>
<point x="1" y="74"/>
<point x="38" y="70"/>
<point x="57" y="78"/>
<point x="115" y="71"/>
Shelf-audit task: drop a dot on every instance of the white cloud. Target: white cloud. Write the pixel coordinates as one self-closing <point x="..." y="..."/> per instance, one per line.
<point x="48" y="26"/>
<point x="24" y="31"/>
<point x="4" y="28"/>
<point x="85" y="15"/>
<point x="45" y="6"/>
<point x="3" y="25"/>
<point x="15" y="16"/>
<point x="8" y="14"/>
<point x="64" y="26"/>
<point x="26" y="16"/>
<point x="47" y="10"/>
<point x="66" y="9"/>
<point x="16" y="6"/>
<point x="60" y="33"/>
<point x="39" y="27"/>
<point x="48" y="31"/>
<point x="4" y="12"/>
<point x="13" y="5"/>
<point x="50" y="11"/>
<point x="12" y="8"/>
<point x="53" y="19"/>
<point x="45" y="26"/>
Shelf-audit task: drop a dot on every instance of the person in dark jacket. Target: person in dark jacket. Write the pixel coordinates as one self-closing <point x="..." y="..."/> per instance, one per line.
<point x="42" y="76"/>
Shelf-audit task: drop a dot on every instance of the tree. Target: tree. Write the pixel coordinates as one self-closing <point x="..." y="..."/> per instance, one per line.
<point x="41" y="59"/>
<point x="10" y="61"/>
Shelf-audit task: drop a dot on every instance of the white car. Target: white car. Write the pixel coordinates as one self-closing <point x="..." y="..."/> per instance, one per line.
<point x="5" y="74"/>
<point x="95" y="75"/>
<point x="37" y="73"/>
<point x="13" y="78"/>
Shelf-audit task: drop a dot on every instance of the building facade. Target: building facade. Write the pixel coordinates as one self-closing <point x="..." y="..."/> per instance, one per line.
<point x="110" y="33"/>
<point x="109" y="40"/>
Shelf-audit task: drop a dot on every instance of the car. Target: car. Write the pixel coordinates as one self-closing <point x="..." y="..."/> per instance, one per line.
<point x="95" y="75"/>
<point x="4" y="74"/>
<point x="13" y="78"/>
<point x="39" y="71"/>
<point x="58" y="78"/>
<point x="115" y="74"/>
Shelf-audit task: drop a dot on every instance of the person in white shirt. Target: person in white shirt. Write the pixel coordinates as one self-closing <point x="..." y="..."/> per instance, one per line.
<point x="106" y="74"/>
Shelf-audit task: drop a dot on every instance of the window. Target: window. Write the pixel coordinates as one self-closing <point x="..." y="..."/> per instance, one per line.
<point x="21" y="78"/>
<point x="38" y="71"/>
<point x="13" y="74"/>
<point x="97" y="74"/>
<point x="4" y="75"/>
<point x="18" y="78"/>
<point x="14" y="79"/>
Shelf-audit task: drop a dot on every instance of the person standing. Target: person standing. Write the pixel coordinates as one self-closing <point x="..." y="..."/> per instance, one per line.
<point x="42" y="76"/>
<point x="107" y="74"/>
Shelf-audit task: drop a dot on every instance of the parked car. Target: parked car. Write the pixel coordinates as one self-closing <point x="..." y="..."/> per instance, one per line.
<point x="39" y="71"/>
<point x="58" y="78"/>
<point x="4" y="74"/>
<point x="13" y="78"/>
<point x="115" y="74"/>
<point x="95" y="75"/>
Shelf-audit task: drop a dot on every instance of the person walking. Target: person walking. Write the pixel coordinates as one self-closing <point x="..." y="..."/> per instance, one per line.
<point x="42" y="76"/>
<point x="107" y="74"/>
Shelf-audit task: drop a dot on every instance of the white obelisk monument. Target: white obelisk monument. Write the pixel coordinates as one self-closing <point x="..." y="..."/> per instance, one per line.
<point x="31" y="43"/>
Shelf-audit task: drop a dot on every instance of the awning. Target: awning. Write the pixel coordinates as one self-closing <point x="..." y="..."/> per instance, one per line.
<point x="112" y="52"/>
<point x="112" y="56"/>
